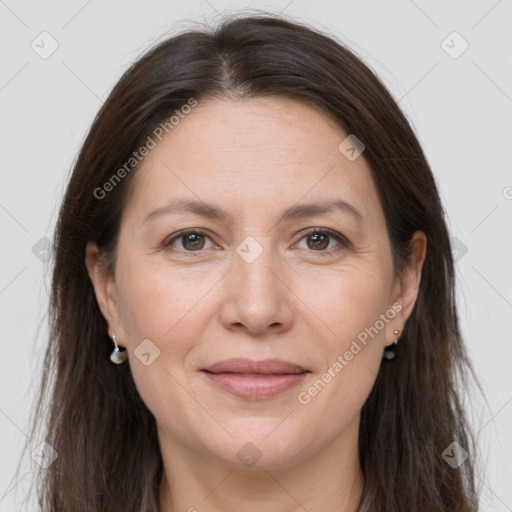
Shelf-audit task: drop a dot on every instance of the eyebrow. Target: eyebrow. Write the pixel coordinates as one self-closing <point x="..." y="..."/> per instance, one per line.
<point x="206" y="210"/>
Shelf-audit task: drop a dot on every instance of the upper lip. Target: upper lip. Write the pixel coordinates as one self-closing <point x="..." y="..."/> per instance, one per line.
<point x="266" y="366"/>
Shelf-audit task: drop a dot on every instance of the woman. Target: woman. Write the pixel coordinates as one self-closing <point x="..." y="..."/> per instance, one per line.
<point x="253" y="292"/>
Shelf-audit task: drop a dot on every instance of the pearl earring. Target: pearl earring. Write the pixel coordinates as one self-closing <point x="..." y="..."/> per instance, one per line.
<point x="118" y="356"/>
<point x="389" y="352"/>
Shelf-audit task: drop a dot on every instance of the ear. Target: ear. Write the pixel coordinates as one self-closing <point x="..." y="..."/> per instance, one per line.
<point x="105" y="291"/>
<point x="406" y="287"/>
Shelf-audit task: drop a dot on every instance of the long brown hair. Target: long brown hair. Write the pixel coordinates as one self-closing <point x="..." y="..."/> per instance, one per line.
<point x="105" y="437"/>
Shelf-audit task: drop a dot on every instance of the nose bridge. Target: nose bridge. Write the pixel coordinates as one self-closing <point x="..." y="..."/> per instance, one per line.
<point x="257" y="298"/>
<point x="254" y="266"/>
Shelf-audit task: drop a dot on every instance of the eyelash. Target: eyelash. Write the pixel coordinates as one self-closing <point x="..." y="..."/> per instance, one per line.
<point x="343" y="241"/>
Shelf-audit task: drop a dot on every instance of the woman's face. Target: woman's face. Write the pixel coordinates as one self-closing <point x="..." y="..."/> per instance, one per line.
<point x="251" y="180"/>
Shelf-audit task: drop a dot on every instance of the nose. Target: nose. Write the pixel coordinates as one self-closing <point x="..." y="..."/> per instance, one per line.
<point x="256" y="297"/>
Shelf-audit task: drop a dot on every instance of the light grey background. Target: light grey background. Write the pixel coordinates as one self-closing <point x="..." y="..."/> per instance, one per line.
<point x="461" y="109"/>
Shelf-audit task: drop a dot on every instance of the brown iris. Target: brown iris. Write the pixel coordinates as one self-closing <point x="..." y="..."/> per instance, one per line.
<point x="320" y="241"/>
<point x="196" y="241"/>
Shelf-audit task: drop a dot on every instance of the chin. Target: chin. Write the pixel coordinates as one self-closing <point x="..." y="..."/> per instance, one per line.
<point x="258" y="449"/>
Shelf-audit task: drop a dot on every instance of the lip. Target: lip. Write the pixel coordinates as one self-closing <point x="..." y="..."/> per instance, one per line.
<point x="255" y="380"/>
<point x="266" y="366"/>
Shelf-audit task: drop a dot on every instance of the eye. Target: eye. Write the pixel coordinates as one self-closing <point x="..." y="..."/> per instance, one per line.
<point x="320" y="240"/>
<point x="191" y="240"/>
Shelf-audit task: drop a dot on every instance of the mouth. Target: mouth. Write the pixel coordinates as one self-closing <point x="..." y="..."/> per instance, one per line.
<point x="255" y="380"/>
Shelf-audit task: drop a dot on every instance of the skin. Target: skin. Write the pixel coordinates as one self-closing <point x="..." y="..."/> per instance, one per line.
<point x="255" y="158"/>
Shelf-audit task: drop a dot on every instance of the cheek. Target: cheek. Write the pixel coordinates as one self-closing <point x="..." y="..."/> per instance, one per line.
<point x="352" y="314"/>
<point x="156" y="303"/>
<point x="346" y="303"/>
<point x="169" y="312"/>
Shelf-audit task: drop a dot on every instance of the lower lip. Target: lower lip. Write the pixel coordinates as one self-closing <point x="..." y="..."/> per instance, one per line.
<point x="255" y="386"/>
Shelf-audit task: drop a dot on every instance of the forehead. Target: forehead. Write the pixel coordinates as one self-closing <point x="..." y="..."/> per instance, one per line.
<point x="265" y="152"/>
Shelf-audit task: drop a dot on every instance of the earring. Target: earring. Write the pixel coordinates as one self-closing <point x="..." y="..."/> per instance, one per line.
<point x="118" y="356"/>
<point x="389" y="352"/>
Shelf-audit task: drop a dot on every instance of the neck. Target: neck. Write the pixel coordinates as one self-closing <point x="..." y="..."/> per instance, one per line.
<point x="331" y="481"/>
